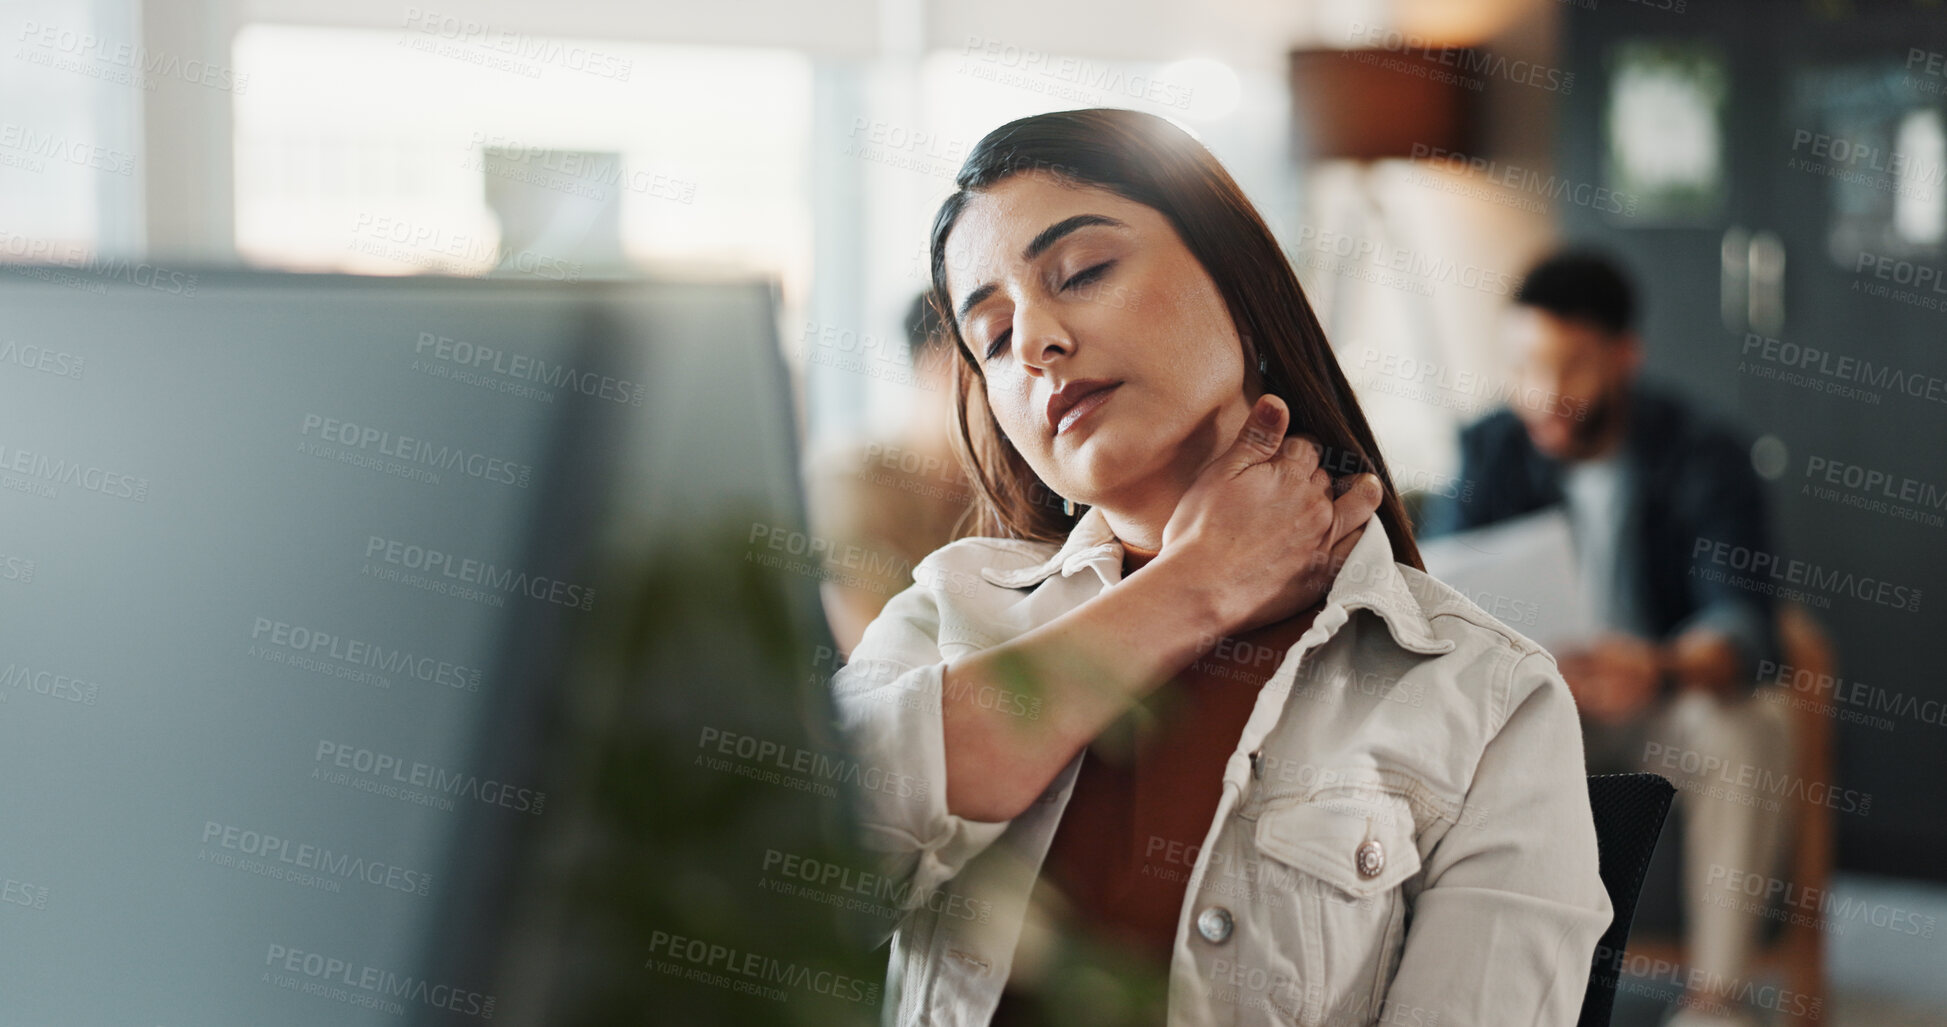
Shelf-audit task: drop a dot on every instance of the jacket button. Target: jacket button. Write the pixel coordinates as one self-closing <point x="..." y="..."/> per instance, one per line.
<point x="1214" y="924"/>
<point x="1371" y="858"/>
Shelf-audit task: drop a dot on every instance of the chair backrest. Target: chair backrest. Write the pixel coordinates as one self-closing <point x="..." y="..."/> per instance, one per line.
<point x="1629" y="811"/>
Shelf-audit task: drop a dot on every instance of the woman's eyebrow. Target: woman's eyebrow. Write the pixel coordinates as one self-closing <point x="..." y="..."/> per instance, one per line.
<point x="1035" y="248"/>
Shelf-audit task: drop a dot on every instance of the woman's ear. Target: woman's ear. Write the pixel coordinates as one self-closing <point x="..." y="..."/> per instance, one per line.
<point x="1257" y="370"/>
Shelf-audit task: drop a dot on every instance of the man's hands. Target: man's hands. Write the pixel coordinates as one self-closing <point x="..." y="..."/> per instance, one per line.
<point x="1265" y="523"/>
<point x="1614" y="679"/>
<point x="1617" y="677"/>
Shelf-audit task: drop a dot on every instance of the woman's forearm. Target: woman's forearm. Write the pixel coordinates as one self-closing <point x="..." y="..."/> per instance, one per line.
<point x="1086" y="668"/>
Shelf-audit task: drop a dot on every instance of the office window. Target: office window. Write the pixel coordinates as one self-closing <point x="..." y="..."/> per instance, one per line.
<point x="70" y="171"/>
<point x="374" y="152"/>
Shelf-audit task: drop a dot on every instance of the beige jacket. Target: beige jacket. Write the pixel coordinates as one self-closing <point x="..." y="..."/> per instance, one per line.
<point x="1404" y="834"/>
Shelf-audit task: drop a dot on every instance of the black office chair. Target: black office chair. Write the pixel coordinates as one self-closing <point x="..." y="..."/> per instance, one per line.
<point x="1629" y="811"/>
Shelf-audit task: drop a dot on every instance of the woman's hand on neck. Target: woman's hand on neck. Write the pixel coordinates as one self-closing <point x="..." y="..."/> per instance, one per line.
<point x="1139" y="519"/>
<point x="1141" y="527"/>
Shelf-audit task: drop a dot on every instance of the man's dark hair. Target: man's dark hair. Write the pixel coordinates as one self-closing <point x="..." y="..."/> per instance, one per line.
<point x="923" y="328"/>
<point x="1579" y="285"/>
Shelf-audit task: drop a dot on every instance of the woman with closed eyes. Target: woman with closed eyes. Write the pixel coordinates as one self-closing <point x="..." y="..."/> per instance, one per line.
<point x="1199" y="741"/>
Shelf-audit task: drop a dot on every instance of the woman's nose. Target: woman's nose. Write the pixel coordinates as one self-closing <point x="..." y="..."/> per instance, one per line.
<point x="1039" y="335"/>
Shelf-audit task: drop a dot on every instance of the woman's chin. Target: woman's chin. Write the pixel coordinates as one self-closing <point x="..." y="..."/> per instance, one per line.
<point x="1104" y="461"/>
<point x="1091" y="448"/>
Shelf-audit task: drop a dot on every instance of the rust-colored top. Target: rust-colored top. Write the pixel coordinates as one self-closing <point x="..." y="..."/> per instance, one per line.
<point x="1143" y="802"/>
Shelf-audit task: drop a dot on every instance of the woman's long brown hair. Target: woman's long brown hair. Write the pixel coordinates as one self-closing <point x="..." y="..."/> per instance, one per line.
<point x="1145" y="158"/>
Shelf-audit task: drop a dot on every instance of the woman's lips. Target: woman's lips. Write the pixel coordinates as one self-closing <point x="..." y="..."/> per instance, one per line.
<point x="1083" y="406"/>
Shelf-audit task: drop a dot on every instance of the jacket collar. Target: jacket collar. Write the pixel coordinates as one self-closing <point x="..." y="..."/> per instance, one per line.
<point x="1370" y="579"/>
<point x="1090" y="543"/>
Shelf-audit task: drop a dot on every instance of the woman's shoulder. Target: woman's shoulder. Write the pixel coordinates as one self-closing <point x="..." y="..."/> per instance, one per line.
<point x="1507" y="664"/>
<point x="1491" y="617"/>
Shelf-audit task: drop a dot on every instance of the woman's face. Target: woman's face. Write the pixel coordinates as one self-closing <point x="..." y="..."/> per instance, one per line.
<point x="1056" y="286"/>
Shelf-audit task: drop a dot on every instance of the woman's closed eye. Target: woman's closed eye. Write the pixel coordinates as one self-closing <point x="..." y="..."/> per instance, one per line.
<point x="1000" y="340"/>
<point x="1082" y="277"/>
<point x="1087" y="275"/>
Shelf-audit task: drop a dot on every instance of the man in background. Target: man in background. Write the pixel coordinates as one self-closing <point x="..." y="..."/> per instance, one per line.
<point x="1651" y="487"/>
<point x="883" y="504"/>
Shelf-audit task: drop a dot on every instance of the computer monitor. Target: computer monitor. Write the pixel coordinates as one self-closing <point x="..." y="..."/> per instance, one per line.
<point x="410" y="650"/>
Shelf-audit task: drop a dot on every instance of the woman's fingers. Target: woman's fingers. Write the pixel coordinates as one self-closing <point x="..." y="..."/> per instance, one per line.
<point x="1303" y="452"/>
<point x="1349" y="515"/>
<point x="1261" y="436"/>
<point x="1351" y="509"/>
